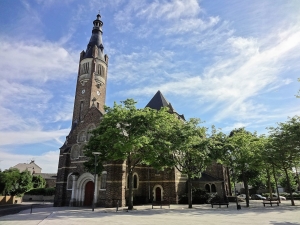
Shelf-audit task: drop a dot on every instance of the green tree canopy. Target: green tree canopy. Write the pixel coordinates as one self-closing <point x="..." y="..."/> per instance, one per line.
<point x="15" y="183"/>
<point x="284" y="148"/>
<point x="38" y="181"/>
<point x="137" y="136"/>
<point x="190" y="150"/>
<point x="243" y="156"/>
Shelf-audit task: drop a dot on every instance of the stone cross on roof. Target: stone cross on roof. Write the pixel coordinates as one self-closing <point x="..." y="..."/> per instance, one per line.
<point x="93" y="100"/>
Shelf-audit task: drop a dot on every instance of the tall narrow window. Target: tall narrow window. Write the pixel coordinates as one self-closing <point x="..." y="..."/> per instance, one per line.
<point x="84" y="68"/>
<point x="80" y="110"/>
<point x="135" y="181"/>
<point x="70" y="182"/>
<point x="100" y="70"/>
<point x="98" y="105"/>
<point x="213" y="188"/>
<point x="207" y="188"/>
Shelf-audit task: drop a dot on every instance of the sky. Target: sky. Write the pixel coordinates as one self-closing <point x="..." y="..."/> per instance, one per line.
<point x="230" y="63"/>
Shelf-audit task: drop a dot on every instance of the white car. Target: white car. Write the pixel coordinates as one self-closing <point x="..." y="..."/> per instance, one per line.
<point x="281" y="197"/>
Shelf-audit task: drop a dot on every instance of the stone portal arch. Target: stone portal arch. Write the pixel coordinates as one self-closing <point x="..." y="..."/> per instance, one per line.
<point x="81" y="185"/>
<point x="158" y="193"/>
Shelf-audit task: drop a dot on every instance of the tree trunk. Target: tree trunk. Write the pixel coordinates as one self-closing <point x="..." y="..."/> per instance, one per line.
<point x="275" y="178"/>
<point x="245" y="180"/>
<point x="289" y="186"/>
<point x="269" y="184"/>
<point x="130" y="194"/>
<point x="190" y="192"/>
<point x="229" y="182"/>
<point x="130" y="191"/>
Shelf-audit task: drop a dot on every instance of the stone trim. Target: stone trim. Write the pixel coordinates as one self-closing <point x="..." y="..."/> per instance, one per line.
<point x="79" y="161"/>
<point x="162" y="181"/>
<point x="71" y="167"/>
<point x="154" y="192"/>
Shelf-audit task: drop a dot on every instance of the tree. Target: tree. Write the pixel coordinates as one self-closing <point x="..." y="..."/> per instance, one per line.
<point x="243" y="156"/>
<point x="190" y="150"/>
<point x="38" y="181"/>
<point x="284" y="150"/>
<point x="136" y="136"/>
<point x="14" y="183"/>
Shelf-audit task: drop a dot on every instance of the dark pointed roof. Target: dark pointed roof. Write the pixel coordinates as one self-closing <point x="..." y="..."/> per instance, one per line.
<point x="96" y="39"/>
<point x="158" y="101"/>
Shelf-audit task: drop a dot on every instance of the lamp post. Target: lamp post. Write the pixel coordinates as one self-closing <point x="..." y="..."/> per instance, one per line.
<point x="95" y="173"/>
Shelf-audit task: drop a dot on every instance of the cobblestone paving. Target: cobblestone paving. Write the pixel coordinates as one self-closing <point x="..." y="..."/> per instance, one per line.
<point x="177" y="214"/>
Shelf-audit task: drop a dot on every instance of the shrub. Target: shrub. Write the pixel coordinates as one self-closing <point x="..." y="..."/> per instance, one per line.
<point x="41" y="191"/>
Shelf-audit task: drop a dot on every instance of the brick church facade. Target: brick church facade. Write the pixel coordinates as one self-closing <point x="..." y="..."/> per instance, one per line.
<point x="75" y="185"/>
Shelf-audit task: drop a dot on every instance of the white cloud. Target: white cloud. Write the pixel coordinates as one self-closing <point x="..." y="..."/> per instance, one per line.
<point x="31" y="136"/>
<point x="35" y="61"/>
<point x="47" y="161"/>
<point x="247" y="68"/>
<point x="140" y="66"/>
<point x="161" y="18"/>
<point x="170" y="10"/>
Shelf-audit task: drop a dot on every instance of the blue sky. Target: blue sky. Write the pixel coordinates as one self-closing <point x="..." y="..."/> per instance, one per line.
<point x="231" y="63"/>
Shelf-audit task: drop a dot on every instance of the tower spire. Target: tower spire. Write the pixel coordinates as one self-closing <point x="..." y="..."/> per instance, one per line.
<point x="96" y="39"/>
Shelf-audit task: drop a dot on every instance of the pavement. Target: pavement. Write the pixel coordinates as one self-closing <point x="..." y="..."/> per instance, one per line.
<point x="175" y="215"/>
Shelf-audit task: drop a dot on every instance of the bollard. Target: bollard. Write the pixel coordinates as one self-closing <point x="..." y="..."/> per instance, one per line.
<point x="31" y="209"/>
<point x="117" y="206"/>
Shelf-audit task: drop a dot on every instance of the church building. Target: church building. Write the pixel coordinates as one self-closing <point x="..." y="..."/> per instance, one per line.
<point x="75" y="185"/>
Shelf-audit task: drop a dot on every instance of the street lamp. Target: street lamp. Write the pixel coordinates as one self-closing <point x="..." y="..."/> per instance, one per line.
<point x="95" y="187"/>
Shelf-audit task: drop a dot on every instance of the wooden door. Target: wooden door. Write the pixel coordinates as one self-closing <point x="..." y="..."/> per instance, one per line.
<point x="89" y="193"/>
<point x="158" y="194"/>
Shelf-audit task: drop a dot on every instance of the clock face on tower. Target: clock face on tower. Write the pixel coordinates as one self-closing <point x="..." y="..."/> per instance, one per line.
<point x="83" y="91"/>
<point x="98" y="92"/>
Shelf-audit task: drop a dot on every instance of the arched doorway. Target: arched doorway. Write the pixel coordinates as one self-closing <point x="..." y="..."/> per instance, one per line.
<point x="89" y="193"/>
<point x="158" y="194"/>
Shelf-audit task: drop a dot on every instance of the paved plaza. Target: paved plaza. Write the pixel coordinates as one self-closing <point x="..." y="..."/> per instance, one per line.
<point x="144" y="215"/>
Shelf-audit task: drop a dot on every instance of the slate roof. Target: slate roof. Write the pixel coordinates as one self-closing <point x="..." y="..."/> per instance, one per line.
<point x="96" y="39"/>
<point x="158" y="101"/>
<point x="24" y="166"/>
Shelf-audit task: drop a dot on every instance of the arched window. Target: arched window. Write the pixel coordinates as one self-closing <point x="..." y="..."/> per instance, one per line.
<point x="81" y="136"/>
<point x="103" y="180"/>
<point x="70" y="182"/>
<point x="82" y="150"/>
<point x="75" y="152"/>
<point x="89" y="129"/>
<point x="207" y="187"/>
<point x="213" y="188"/>
<point x="135" y="180"/>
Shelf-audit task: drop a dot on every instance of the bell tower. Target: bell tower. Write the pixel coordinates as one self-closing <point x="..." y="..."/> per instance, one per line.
<point x="92" y="75"/>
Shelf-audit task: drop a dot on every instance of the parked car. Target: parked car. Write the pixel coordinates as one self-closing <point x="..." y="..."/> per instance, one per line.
<point x="275" y="197"/>
<point x="257" y="197"/>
